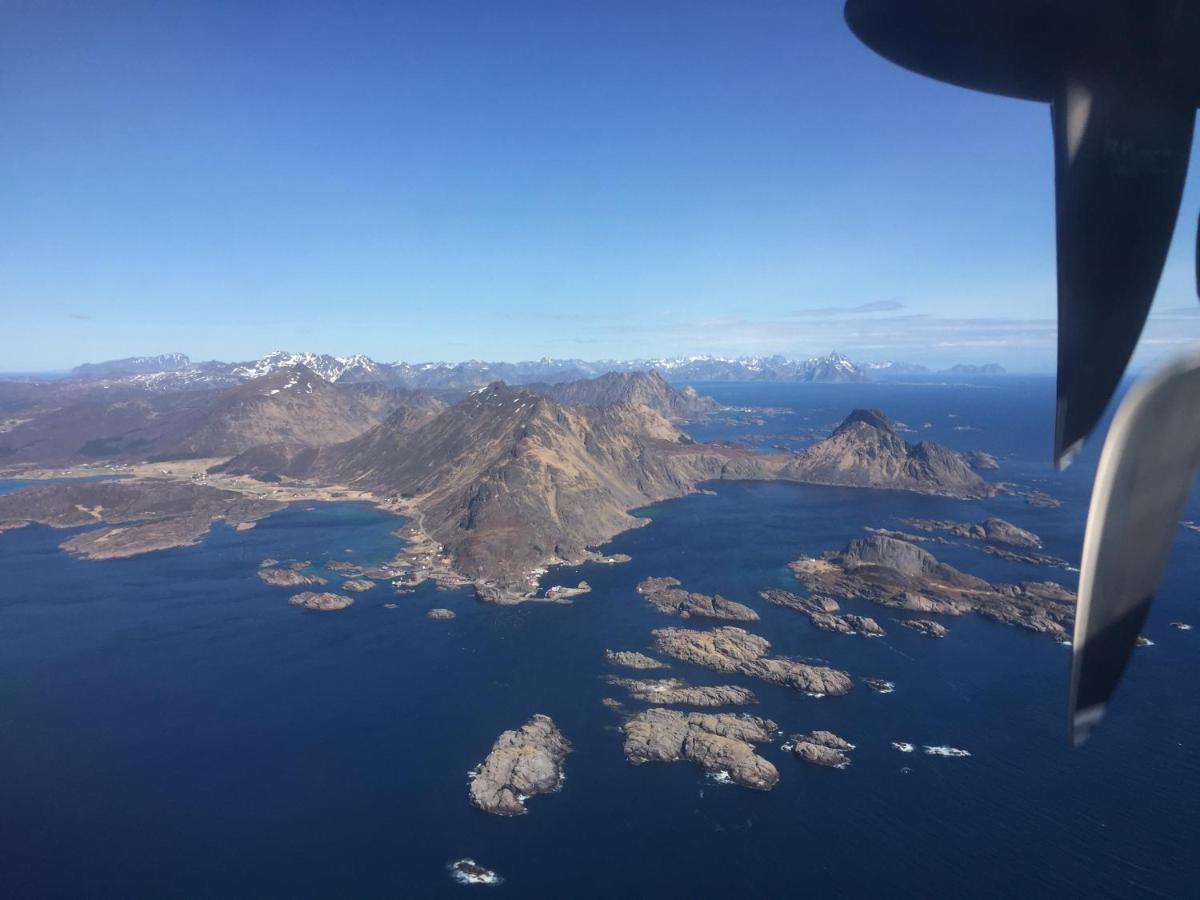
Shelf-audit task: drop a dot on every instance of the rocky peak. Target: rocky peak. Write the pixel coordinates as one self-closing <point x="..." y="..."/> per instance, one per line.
<point x="872" y="418"/>
<point x="648" y="389"/>
<point x="866" y="451"/>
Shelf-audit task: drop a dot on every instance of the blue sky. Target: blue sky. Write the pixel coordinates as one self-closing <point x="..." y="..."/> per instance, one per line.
<point x="453" y="180"/>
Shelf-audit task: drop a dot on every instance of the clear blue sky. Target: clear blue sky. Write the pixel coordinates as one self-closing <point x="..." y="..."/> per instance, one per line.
<point x="509" y="180"/>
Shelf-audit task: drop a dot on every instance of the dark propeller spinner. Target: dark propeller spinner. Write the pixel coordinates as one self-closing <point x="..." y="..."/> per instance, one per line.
<point x="1122" y="78"/>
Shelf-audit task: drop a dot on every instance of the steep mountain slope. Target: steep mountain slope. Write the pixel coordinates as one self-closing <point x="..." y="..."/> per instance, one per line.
<point x="101" y="429"/>
<point x="648" y="389"/>
<point x="507" y="480"/>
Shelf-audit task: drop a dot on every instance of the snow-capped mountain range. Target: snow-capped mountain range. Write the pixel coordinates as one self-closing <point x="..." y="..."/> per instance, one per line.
<point x="175" y="371"/>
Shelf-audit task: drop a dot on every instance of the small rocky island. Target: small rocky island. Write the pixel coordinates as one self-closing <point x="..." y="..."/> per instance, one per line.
<point x="719" y="743"/>
<point x="993" y="530"/>
<point x="287" y="574"/>
<point x="677" y="692"/>
<point x="927" y="627"/>
<point x="440" y="613"/>
<point x="902" y="575"/>
<point x="321" y="601"/>
<point x="467" y="871"/>
<point x="631" y="659"/>
<point x="731" y="649"/>
<point x="823" y="613"/>
<point x="665" y="595"/>
<point x="521" y="764"/>
<point x="822" y="748"/>
<point x="996" y="537"/>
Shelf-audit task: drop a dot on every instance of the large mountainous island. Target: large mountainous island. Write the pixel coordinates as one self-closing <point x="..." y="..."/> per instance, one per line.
<point x="504" y="482"/>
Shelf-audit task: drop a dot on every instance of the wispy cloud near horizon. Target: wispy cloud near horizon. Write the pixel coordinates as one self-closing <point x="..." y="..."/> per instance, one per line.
<point x="873" y="307"/>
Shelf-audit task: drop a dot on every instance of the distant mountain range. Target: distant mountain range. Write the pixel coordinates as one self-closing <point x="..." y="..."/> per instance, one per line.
<point x="288" y="409"/>
<point x="175" y="371"/>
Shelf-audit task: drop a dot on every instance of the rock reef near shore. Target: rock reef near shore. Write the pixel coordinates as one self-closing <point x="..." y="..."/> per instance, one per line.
<point x="719" y="743"/>
<point x="665" y="595"/>
<point x="521" y="764"/>
<point x="731" y="649"/>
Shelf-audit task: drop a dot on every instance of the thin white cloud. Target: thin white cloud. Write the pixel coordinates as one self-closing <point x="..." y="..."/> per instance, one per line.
<point x="873" y="307"/>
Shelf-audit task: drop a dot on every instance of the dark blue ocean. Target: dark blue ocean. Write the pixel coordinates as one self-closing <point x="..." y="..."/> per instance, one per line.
<point x="170" y="727"/>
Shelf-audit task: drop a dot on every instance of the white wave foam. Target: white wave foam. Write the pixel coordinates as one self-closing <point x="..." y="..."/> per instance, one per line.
<point x="945" y="751"/>
<point x="467" y="871"/>
<point x="903" y="746"/>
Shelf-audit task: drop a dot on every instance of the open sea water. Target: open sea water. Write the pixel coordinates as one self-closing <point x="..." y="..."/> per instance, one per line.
<point x="171" y="727"/>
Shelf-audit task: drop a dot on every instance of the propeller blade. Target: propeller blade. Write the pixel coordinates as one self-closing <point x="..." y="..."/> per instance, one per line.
<point x="1121" y="155"/>
<point x="1146" y="472"/>
<point x="1008" y="47"/>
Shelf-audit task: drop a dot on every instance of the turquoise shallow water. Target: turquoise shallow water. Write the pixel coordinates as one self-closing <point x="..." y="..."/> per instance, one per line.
<point x="171" y="727"/>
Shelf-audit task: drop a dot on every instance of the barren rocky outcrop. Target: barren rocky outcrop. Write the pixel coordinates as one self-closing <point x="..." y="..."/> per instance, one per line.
<point x="814" y="603"/>
<point x="665" y="595"/>
<point x="631" y="659"/>
<point x="927" y="627"/>
<point x="716" y="742"/>
<point x="677" y="692"/>
<point x="321" y="601"/>
<point x="731" y="649"/>
<point x="521" y="764"/>
<point x="847" y="623"/>
<point x="288" y="575"/>
<point x="903" y="576"/>
<point x="822" y="748"/>
<point x="992" y="530"/>
<point x="823" y="613"/>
